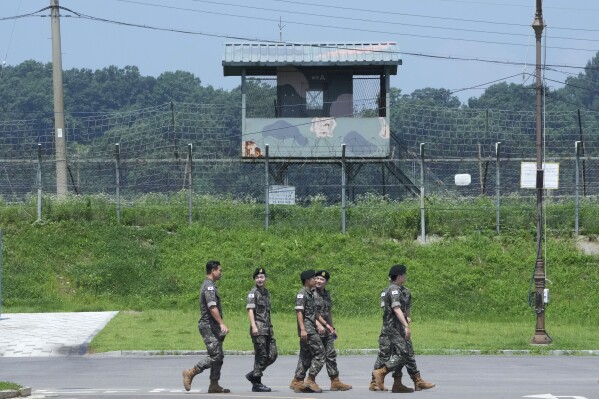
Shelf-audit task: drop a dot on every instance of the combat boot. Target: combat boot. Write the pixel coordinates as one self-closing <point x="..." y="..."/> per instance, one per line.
<point x="188" y="377"/>
<point x="259" y="386"/>
<point x="215" y="388"/>
<point x="311" y="384"/>
<point x="250" y="377"/>
<point x="398" y="387"/>
<point x="420" y="384"/>
<point x="297" y="385"/>
<point x="373" y="386"/>
<point x="379" y="377"/>
<point x="337" y="385"/>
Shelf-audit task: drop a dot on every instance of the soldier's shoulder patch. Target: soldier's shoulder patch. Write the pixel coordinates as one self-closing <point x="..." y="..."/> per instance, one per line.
<point x="300" y="296"/>
<point x="394" y="292"/>
<point x="210" y="288"/>
<point x="251" y="295"/>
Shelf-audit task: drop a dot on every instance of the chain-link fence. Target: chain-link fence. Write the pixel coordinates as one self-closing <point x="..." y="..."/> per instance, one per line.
<point x="191" y="151"/>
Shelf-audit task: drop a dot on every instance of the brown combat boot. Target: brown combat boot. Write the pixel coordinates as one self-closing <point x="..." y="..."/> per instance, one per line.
<point x="215" y="388"/>
<point x="379" y="377"/>
<point x="297" y="385"/>
<point x="373" y="386"/>
<point x="420" y="384"/>
<point x="311" y="384"/>
<point x="188" y="377"/>
<point x="398" y="387"/>
<point x="337" y="385"/>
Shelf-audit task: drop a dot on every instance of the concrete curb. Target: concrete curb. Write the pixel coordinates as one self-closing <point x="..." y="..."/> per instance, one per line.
<point x="15" y="393"/>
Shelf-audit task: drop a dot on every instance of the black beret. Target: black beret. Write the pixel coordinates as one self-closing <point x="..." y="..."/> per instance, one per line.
<point x="259" y="270"/>
<point x="397" y="270"/>
<point x="307" y="274"/>
<point x="324" y="273"/>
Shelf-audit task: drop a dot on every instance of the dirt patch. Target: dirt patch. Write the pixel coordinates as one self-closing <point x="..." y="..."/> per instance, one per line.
<point x="588" y="245"/>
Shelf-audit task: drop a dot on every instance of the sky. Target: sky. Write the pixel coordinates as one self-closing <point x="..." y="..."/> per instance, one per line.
<point x="460" y="45"/>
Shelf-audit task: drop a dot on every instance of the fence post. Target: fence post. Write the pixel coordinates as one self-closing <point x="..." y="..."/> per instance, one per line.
<point x="0" y="271"/>
<point x="189" y="177"/>
<point x="266" y="193"/>
<point x="422" y="221"/>
<point x="39" y="181"/>
<point x="497" y="186"/>
<point x="577" y="186"/>
<point x="343" y="183"/>
<point x="117" y="156"/>
<point x="581" y="150"/>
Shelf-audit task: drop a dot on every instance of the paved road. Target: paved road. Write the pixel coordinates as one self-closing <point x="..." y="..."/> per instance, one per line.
<point x="46" y="352"/>
<point x="457" y="377"/>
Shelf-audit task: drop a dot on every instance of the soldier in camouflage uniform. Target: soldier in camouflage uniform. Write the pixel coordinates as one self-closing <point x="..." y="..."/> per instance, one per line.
<point x="213" y="331"/>
<point x="261" y="331"/>
<point x="327" y="332"/>
<point x="311" y="356"/>
<point x="396" y="295"/>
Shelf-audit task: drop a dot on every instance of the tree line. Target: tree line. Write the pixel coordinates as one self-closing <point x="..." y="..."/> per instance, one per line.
<point x="27" y="92"/>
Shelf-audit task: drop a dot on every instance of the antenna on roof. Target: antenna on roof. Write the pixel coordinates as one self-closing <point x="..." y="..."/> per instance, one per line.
<point x="281" y="26"/>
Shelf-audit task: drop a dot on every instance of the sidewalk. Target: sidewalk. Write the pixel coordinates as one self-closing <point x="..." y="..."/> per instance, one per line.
<point x="49" y="334"/>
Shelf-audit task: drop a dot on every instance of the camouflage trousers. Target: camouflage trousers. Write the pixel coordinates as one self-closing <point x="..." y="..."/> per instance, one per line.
<point x="330" y="355"/>
<point x="311" y="357"/>
<point x="395" y="352"/>
<point x="214" y="346"/>
<point x="265" y="353"/>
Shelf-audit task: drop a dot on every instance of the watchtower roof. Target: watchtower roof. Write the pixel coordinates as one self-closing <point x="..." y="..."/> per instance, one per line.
<point x="263" y="58"/>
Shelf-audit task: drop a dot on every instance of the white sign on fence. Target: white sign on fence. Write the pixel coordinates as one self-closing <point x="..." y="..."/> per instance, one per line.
<point x="528" y="175"/>
<point x="281" y="195"/>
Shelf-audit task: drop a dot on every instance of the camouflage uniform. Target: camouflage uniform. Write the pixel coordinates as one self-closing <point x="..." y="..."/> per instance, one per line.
<point x="210" y="330"/>
<point x="312" y="354"/>
<point x="393" y="347"/>
<point x="265" y="345"/>
<point x="323" y="307"/>
<point x="406" y="306"/>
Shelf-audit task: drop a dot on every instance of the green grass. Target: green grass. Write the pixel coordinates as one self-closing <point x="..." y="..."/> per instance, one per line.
<point x="152" y="264"/>
<point x="177" y="331"/>
<point x="6" y="386"/>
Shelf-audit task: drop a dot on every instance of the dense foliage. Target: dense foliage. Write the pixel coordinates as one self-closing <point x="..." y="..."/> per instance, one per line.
<point x="27" y="92"/>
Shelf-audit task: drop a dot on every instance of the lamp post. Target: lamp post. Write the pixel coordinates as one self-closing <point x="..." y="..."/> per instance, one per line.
<point x="540" y="337"/>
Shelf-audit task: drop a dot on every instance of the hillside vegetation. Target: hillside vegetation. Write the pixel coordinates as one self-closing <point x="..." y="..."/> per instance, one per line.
<point x="81" y="259"/>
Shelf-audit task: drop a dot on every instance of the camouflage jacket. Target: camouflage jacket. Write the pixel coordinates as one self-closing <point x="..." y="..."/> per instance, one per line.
<point x="391" y="298"/>
<point x="208" y="298"/>
<point x="304" y="301"/>
<point x="258" y="299"/>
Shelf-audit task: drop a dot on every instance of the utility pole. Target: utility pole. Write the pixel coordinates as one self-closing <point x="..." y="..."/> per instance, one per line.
<point x="540" y="337"/>
<point x="60" y="133"/>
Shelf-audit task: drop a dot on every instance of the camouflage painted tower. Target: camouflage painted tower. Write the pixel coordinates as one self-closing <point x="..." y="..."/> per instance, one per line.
<point x="306" y="100"/>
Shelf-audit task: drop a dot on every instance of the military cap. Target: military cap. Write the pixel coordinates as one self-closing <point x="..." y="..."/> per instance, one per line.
<point x="307" y="274"/>
<point x="324" y="273"/>
<point x="397" y="270"/>
<point x="259" y="270"/>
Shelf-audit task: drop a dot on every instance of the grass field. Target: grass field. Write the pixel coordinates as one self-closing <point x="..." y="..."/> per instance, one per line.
<point x="470" y="287"/>
<point x="157" y="330"/>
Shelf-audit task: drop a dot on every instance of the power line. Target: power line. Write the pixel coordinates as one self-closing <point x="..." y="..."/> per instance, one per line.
<point x="453" y="91"/>
<point x="244" y="38"/>
<point x="358" y="29"/>
<point x="486" y="22"/>
<point x="375" y="21"/>
<point x="322" y="26"/>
